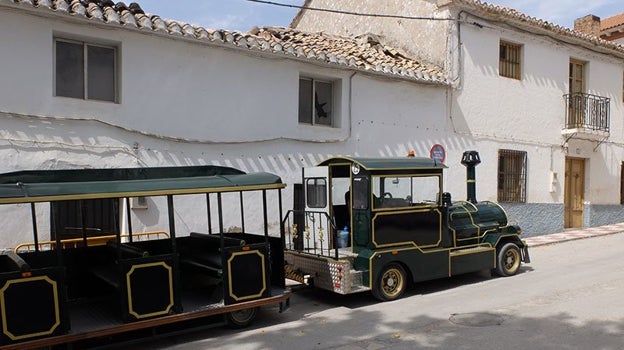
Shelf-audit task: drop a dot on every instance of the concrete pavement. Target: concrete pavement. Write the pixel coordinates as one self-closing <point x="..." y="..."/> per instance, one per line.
<point x="574" y="234"/>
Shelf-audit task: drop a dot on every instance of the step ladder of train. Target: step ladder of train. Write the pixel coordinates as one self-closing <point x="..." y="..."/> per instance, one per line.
<point x="356" y="278"/>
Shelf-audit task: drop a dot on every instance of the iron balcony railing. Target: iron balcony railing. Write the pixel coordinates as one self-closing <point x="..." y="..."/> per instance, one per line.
<point x="587" y="111"/>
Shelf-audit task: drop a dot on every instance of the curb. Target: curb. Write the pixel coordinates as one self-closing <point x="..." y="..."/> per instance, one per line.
<point x="574" y="234"/>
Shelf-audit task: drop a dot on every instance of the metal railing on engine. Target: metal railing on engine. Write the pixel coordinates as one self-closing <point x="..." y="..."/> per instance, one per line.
<point x="311" y="232"/>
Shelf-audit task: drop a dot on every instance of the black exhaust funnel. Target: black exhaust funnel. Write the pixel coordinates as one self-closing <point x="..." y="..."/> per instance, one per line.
<point x="471" y="159"/>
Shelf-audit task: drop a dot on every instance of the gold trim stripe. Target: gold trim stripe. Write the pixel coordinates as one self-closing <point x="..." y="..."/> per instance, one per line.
<point x="57" y="316"/>
<point x="16" y="200"/>
<point x="370" y="260"/>
<point x="413" y="243"/>
<point x="264" y="287"/>
<point x="129" y="289"/>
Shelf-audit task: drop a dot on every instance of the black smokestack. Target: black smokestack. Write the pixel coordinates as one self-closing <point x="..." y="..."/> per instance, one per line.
<point x="471" y="159"/>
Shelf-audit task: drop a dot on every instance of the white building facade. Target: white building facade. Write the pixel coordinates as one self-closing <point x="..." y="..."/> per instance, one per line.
<point x="541" y="103"/>
<point x="91" y="87"/>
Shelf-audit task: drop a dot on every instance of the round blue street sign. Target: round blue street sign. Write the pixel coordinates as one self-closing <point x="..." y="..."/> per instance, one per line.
<point x="437" y="153"/>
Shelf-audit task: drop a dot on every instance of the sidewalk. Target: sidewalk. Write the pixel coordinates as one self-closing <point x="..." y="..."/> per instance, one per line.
<point x="574" y="234"/>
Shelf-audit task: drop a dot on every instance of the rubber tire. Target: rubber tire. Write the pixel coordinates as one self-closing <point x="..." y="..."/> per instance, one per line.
<point x="241" y="318"/>
<point x="390" y="283"/>
<point x="508" y="260"/>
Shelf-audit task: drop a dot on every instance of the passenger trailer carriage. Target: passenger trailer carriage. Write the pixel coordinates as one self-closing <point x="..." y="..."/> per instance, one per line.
<point x="90" y="281"/>
<point x="381" y="224"/>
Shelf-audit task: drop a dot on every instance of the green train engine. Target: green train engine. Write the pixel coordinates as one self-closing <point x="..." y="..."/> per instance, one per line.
<point x="382" y="224"/>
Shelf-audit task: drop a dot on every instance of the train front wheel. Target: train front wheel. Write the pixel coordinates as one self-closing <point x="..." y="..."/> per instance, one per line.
<point x="508" y="260"/>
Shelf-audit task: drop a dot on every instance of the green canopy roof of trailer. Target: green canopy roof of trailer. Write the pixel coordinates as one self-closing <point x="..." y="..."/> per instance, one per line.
<point x="72" y="184"/>
<point x="399" y="163"/>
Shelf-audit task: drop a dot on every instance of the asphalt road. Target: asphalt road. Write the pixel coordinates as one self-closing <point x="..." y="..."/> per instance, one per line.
<point x="570" y="297"/>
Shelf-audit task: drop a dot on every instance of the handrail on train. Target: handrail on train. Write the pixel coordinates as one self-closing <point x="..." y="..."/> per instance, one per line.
<point x="91" y="241"/>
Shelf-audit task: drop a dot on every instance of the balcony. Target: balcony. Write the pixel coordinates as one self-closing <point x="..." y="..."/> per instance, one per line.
<point x="587" y="116"/>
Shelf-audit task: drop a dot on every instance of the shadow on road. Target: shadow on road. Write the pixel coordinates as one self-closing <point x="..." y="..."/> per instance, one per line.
<point x="324" y="320"/>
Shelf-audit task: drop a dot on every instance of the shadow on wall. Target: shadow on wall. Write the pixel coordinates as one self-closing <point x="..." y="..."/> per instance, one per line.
<point x="58" y="143"/>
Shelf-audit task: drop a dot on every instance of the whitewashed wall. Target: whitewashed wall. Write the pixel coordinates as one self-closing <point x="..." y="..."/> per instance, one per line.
<point x="493" y="112"/>
<point x="163" y="81"/>
<point x="529" y="114"/>
<point x="184" y="103"/>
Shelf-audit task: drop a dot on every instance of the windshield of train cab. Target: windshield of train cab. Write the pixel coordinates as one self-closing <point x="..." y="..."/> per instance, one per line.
<point x="405" y="191"/>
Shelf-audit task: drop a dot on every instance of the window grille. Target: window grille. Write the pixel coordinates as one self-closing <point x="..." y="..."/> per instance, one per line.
<point x="512" y="169"/>
<point x="509" y="60"/>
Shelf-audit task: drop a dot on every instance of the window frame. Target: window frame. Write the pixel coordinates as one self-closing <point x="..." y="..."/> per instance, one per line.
<point x="510" y="67"/>
<point x="86" y="44"/>
<point x="314" y="103"/>
<point x="512" y="179"/>
<point x="577" y="76"/>
<point x="413" y="198"/>
<point x="316" y="192"/>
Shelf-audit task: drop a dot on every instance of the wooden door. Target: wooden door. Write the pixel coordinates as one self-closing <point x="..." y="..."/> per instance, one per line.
<point x="574" y="192"/>
<point x="577" y="76"/>
<point x="577" y="88"/>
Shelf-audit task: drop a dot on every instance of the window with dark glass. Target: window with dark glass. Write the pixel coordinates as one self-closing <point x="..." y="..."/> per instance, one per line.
<point x="361" y="194"/>
<point x="316" y="102"/>
<point x="512" y="169"/>
<point x="316" y="193"/>
<point x="85" y="71"/>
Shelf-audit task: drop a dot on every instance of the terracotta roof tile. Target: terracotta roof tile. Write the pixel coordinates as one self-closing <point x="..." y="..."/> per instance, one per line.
<point x="612" y="22"/>
<point x="513" y="16"/>
<point x="366" y="53"/>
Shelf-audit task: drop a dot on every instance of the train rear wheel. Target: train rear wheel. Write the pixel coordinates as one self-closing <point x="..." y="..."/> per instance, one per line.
<point x="241" y="318"/>
<point x="390" y="283"/>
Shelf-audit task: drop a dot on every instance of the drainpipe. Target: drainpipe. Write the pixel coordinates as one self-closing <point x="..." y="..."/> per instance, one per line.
<point x="350" y="105"/>
<point x="457" y="79"/>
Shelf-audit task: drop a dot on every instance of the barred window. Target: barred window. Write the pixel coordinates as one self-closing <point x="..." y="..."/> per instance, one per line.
<point x="509" y="60"/>
<point x="512" y="169"/>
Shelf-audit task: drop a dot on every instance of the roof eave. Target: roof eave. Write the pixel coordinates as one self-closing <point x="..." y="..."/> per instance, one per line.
<point x="542" y="27"/>
<point x="232" y="40"/>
